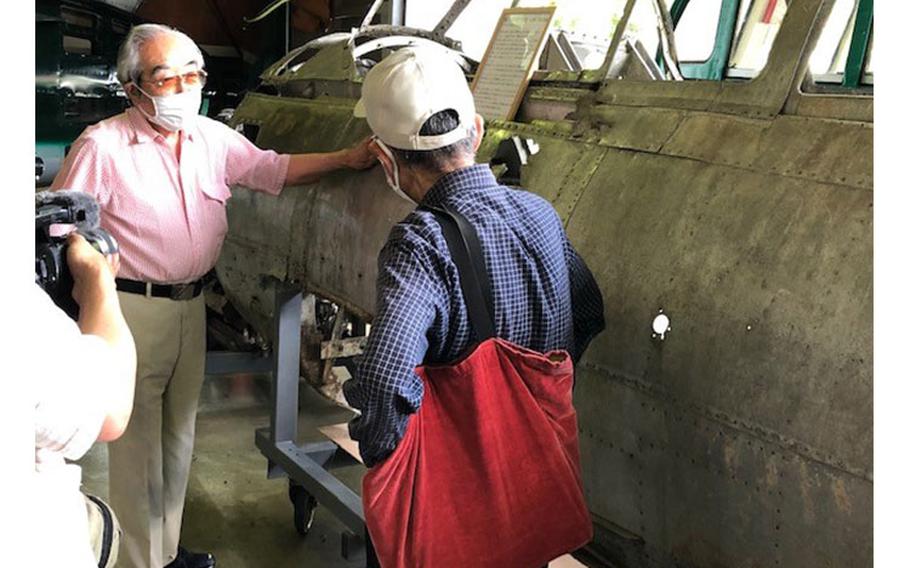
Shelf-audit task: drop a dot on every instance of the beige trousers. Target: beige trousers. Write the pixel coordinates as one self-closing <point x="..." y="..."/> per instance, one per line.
<point x="150" y="463"/>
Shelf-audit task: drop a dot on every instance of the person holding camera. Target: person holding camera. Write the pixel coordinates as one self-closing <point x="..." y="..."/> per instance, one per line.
<point x="161" y="174"/>
<point x="86" y="400"/>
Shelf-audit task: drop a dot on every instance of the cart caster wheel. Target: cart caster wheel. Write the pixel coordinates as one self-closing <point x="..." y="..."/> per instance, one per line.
<point x="304" y="508"/>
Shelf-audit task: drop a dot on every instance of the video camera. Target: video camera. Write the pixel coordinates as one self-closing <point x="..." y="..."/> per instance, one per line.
<point x="54" y="210"/>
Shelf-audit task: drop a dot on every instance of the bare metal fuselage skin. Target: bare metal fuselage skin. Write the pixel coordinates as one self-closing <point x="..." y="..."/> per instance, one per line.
<point x="743" y="210"/>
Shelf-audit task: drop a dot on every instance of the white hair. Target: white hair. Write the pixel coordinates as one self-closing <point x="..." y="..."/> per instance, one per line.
<point x="128" y="64"/>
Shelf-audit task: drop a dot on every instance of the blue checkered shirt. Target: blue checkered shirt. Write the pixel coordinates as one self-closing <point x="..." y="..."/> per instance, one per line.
<point x="544" y="298"/>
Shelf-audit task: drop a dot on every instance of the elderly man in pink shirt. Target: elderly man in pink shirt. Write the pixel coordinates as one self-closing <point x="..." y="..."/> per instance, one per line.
<point x="161" y="174"/>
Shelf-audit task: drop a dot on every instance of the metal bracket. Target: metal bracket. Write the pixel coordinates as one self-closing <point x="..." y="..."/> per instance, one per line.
<point x="514" y="152"/>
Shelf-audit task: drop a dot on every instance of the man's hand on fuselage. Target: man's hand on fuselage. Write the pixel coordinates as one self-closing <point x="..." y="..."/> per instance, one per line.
<point x="359" y="156"/>
<point x="308" y="168"/>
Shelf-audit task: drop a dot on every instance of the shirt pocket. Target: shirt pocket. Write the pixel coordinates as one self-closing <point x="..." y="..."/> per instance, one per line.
<point x="213" y="215"/>
<point x="216" y="191"/>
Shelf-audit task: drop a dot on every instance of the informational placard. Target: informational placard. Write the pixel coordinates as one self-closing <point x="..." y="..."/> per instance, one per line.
<point x="510" y="59"/>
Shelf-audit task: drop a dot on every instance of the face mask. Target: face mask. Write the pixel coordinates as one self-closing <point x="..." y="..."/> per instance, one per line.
<point x="393" y="181"/>
<point x="176" y="111"/>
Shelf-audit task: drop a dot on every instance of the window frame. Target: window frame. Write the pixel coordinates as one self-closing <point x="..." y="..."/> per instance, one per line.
<point x="827" y="100"/>
<point x="854" y="80"/>
<point x="772" y="91"/>
<point x="713" y="68"/>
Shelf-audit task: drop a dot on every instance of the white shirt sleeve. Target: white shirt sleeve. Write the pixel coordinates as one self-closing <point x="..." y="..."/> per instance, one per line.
<point x="70" y="383"/>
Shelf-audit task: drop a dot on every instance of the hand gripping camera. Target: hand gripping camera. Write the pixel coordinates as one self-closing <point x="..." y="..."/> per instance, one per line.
<point x="54" y="212"/>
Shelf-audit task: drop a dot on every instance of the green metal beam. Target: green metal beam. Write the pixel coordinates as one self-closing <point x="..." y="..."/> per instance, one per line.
<point x="677" y="9"/>
<point x="859" y="44"/>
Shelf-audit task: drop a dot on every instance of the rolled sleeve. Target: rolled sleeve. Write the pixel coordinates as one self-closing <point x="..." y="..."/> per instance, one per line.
<point x="253" y="167"/>
<point x="385" y="387"/>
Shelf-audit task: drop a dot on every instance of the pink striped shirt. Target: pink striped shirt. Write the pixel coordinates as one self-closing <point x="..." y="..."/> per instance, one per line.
<point x="168" y="217"/>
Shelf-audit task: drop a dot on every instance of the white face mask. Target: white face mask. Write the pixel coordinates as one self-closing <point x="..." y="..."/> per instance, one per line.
<point x="393" y="182"/>
<point x="174" y="112"/>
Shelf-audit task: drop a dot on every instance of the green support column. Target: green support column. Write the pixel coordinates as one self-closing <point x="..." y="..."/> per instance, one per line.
<point x="859" y="44"/>
<point x="677" y="9"/>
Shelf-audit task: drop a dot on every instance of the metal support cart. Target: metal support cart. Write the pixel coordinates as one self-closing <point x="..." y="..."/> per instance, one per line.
<point x="306" y="466"/>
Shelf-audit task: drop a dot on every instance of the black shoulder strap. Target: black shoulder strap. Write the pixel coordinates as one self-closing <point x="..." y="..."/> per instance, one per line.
<point x="467" y="254"/>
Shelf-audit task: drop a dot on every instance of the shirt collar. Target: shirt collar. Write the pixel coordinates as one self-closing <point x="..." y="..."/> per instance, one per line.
<point x="471" y="177"/>
<point x="143" y="131"/>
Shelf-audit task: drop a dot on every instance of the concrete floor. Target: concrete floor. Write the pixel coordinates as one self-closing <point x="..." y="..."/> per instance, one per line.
<point x="232" y="510"/>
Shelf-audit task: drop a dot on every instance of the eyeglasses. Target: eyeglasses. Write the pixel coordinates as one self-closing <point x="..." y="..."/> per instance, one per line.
<point x="190" y="79"/>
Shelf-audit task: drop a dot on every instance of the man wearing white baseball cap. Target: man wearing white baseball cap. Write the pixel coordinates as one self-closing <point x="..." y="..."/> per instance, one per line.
<point x="409" y="95"/>
<point x="540" y="294"/>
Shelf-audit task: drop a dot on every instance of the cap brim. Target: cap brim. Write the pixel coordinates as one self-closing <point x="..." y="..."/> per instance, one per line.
<point x="360" y="111"/>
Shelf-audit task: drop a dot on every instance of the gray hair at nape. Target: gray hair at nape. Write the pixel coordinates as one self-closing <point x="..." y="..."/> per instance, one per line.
<point x="439" y="159"/>
<point x="128" y="64"/>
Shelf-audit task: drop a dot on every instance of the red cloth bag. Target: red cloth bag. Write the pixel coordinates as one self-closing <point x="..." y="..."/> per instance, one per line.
<point x="487" y="474"/>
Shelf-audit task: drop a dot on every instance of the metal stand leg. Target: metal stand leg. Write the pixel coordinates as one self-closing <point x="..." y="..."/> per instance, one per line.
<point x="305" y="465"/>
<point x="286" y="370"/>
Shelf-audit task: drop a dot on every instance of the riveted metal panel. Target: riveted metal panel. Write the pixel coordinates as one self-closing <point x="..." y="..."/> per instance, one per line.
<point x="791" y="258"/>
<point x="858" y="108"/>
<point x="571" y="162"/>
<point x="632" y="128"/>
<point x="755" y="272"/>
<point x="702" y="491"/>
<point x="786" y="145"/>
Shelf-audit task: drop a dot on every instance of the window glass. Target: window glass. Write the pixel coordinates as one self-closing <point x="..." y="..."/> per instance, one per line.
<point x="694" y="36"/>
<point x="643" y="26"/>
<point x="473" y="28"/>
<point x="72" y="44"/>
<point x="696" y="30"/>
<point x="587" y="25"/>
<point x="78" y="19"/>
<point x="829" y="57"/>
<point x="757" y="27"/>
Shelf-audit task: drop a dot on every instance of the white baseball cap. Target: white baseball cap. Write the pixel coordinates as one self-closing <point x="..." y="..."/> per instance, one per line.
<point x="409" y="86"/>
